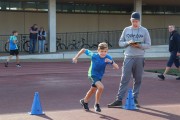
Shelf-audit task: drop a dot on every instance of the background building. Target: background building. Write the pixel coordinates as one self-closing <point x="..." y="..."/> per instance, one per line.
<point x="84" y="15"/>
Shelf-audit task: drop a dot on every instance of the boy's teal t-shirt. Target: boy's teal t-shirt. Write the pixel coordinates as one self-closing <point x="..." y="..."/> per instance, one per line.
<point x="98" y="64"/>
<point x="12" y="45"/>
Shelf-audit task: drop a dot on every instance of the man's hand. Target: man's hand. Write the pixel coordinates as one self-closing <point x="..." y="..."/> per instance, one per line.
<point x="130" y="42"/>
<point x="135" y="45"/>
<point x="178" y="54"/>
<point x="74" y="60"/>
<point x="108" y="60"/>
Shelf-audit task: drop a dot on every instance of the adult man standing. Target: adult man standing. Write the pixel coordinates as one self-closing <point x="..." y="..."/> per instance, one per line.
<point x="135" y="39"/>
<point x="174" y="49"/>
<point x="33" y="38"/>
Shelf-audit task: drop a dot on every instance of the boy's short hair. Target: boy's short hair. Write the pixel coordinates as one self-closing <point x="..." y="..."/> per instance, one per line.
<point x="14" y="31"/>
<point x="172" y="26"/>
<point x="102" y="46"/>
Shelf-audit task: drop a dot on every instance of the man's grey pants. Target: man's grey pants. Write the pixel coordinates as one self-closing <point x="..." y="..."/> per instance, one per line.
<point x="134" y="66"/>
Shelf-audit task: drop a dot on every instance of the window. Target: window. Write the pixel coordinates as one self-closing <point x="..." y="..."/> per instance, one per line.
<point x="4" y="5"/>
<point x="80" y="8"/>
<point x="30" y="6"/>
<point x="15" y="6"/>
<point x="92" y="8"/>
<point x="104" y="8"/>
<point x="69" y="8"/>
<point x="160" y="9"/>
<point x="42" y="6"/>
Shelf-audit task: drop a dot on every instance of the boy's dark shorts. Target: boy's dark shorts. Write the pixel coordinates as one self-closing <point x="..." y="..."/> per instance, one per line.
<point x="93" y="80"/>
<point x="14" y="52"/>
<point x="173" y="59"/>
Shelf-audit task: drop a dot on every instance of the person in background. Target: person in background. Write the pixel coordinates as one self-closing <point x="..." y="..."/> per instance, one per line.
<point x="41" y="40"/>
<point x="174" y="49"/>
<point x="13" y="47"/>
<point x="33" y="38"/>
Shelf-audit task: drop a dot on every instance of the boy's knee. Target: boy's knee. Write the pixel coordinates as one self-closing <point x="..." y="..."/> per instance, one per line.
<point x="94" y="90"/>
<point x="101" y="87"/>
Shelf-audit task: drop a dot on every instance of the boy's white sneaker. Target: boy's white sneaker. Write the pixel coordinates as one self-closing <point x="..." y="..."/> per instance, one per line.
<point x="18" y="65"/>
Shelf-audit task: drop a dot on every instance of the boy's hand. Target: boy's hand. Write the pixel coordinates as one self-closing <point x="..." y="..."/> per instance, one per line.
<point x="74" y="60"/>
<point x="108" y="60"/>
<point x="178" y="54"/>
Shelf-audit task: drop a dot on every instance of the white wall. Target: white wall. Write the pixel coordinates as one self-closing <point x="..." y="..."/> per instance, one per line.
<point x="21" y="21"/>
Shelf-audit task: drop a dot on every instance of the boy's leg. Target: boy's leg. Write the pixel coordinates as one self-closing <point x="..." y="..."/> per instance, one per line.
<point x="178" y="78"/>
<point x="84" y="102"/>
<point x="12" y="52"/>
<point x="8" y="59"/>
<point x="89" y="94"/>
<point x="168" y="66"/>
<point x="100" y="88"/>
<point x="177" y="64"/>
<point x="162" y="76"/>
<point x="170" y="62"/>
<point x="39" y="46"/>
<point x="17" y="59"/>
<point x="166" y="70"/>
<point x="17" y="56"/>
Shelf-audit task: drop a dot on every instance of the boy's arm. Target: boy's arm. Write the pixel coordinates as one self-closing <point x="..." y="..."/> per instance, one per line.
<point x="178" y="44"/>
<point x="78" y="54"/>
<point x="15" y="41"/>
<point x="115" y="65"/>
<point x="112" y="63"/>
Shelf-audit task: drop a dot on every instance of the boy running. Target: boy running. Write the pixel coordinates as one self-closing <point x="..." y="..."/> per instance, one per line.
<point x="13" y="48"/>
<point x="98" y="64"/>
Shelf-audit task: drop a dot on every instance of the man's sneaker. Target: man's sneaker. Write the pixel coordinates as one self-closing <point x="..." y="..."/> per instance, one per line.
<point x="85" y="105"/>
<point x="97" y="108"/>
<point x="115" y="104"/>
<point x="161" y="77"/>
<point x="136" y="103"/>
<point x="178" y="78"/>
<point x="6" y="64"/>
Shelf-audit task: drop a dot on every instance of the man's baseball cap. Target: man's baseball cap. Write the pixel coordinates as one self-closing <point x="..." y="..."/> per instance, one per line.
<point x="135" y="15"/>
